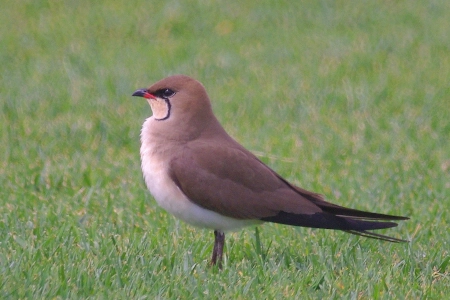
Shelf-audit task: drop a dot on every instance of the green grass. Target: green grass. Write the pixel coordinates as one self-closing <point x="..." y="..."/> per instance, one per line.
<point x="346" y="98"/>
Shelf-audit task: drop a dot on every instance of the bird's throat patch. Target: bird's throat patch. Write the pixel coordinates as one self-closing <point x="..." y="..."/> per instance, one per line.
<point x="160" y="108"/>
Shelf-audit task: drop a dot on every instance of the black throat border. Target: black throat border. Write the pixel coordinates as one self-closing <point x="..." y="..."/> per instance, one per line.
<point x="169" y="107"/>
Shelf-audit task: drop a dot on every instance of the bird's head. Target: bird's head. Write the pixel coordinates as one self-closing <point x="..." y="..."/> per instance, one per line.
<point x="176" y="97"/>
<point x="181" y="108"/>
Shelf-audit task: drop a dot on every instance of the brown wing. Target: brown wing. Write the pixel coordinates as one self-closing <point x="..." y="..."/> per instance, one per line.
<point x="234" y="183"/>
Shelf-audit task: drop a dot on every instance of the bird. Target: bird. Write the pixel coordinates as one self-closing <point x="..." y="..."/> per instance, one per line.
<point x="197" y="172"/>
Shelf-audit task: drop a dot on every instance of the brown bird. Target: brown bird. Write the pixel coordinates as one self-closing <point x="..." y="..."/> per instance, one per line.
<point x="201" y="175"/>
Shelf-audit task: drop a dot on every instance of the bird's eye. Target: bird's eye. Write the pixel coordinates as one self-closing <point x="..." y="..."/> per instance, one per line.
<point x="166" y="93"/>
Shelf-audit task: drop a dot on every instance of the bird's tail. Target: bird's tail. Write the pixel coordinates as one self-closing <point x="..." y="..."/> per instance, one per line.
<point x="360" y="227"/>
<point x="359" y="221"/>
<point x="353" y="223"/>
<point x="334" y="216"/>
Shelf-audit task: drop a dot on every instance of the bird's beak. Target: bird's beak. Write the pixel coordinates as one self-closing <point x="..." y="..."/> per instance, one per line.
<point x="143" y="93"/>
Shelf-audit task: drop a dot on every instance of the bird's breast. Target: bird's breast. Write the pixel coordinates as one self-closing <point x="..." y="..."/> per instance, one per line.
<point x="155" y="160"/>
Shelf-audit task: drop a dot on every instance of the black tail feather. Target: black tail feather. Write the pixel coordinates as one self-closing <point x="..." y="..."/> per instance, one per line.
<point x="334" y="216"/>
<point x="325" y="220"/>
<point x="376" y="236"/>
<point x="354" y="213"/>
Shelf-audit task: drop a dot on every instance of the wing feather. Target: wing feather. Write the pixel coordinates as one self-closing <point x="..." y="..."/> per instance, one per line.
<point x="231" y="181"/>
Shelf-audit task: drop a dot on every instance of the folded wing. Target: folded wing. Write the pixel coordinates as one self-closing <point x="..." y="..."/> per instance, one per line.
<point x="240" y="186"/>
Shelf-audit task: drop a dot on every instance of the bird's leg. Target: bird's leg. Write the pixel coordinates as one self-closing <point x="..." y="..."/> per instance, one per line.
<point x="219" y="241"/>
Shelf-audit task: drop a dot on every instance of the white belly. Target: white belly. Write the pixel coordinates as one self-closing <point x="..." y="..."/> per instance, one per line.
<point x="172" y="199"/>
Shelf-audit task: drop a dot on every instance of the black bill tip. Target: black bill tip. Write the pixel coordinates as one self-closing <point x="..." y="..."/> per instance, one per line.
<point x="140" y="93"/>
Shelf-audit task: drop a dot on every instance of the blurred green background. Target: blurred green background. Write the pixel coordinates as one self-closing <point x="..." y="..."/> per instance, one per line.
<point x="346" y="98"/>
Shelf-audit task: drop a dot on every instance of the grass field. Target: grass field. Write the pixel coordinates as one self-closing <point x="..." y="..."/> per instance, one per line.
<point x="346" y="98"/>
